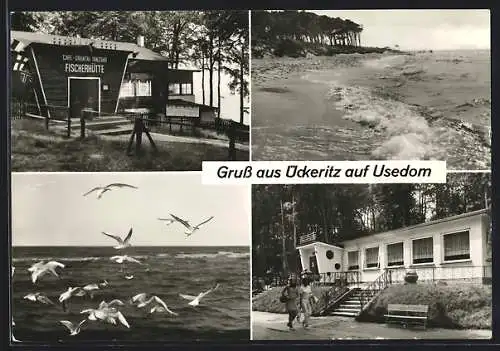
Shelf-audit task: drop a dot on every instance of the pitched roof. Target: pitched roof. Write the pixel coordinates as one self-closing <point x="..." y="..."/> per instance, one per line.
<point x="27" y="38"/>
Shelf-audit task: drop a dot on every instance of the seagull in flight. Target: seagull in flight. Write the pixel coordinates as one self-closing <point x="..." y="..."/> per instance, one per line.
<point x="108" y="187"/>
<point x="195" y="300"/>
<point x="189" y="228"/>
<point x="106" y="313"/>
<point x="167" y="221"/>
<point x="41" y="268"/>
<point x="65" y="296"/>
<point x="39" y="297"/>
<point x="124" y="258"/>
<point x="74" y="329"/>
<point x="159" y="304"/>
<point x="122" y="243"/>
<point x="90" y="289"/>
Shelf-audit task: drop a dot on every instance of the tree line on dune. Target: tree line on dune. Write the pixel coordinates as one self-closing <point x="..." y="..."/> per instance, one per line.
<point x="287" y="31"/>
<point x="215" y="41"/>
<point x="282" y="213"/>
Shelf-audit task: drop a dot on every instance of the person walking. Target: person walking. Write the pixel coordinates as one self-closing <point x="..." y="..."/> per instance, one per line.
<point x="289" y="296"/>
<point x="306" y="299"/>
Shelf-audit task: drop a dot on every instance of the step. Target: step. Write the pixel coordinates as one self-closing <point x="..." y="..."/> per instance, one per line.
<point x="351" y="303"/>
<point x="346" y="309"/>
<point x="344" y="314"/>
<point x="115" y="131"/>
<point x="107" y="124"/>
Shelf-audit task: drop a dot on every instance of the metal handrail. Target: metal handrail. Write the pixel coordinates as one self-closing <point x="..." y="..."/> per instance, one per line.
<point x="379" y="284"/>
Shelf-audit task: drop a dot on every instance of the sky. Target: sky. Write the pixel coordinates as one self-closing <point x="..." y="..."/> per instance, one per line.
<point x="48" y="209"/>
<point x="230" y="102"/>
<point x="421" y="29"/>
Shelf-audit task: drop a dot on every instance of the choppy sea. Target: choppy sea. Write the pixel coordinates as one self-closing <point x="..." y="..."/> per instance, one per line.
<point x="166" y="272"/>
<point x="434" y="106"/>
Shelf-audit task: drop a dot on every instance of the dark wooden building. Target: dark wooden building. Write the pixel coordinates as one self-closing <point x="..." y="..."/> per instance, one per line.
<point x="58" y="74"/>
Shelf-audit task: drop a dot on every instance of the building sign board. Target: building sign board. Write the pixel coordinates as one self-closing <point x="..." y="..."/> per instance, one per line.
<point x="84" y="64"/>
<point x="183" y="111"/>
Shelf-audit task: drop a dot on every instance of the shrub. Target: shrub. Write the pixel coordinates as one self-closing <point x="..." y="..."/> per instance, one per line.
<point x="450" y="306"/>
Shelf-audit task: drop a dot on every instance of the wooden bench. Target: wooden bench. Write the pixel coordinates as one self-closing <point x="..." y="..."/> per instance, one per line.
<point x="407" y="314"/>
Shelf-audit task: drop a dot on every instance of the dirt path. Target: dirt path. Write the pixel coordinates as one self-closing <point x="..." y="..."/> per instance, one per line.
<point x="181" y="139"/>
<point x="272" y="326"/>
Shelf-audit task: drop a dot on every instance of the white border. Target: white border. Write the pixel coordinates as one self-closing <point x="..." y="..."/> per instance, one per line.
<point x="98" y="90"/>
<point x="250" y="85"/>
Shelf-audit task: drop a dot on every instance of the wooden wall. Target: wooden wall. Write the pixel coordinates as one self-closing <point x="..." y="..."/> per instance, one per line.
<point x="51" y="65"/>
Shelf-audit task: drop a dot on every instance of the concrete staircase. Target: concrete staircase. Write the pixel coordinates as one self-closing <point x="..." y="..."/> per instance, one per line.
<point x="350" y="306"/>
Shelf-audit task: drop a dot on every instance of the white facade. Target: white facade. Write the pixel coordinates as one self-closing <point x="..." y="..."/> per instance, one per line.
<point x="450" y="248"/>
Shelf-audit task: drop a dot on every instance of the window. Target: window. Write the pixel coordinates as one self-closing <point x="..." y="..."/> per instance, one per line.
<point x="127" y="89"/>
<point x="135" y="88"/>
<point x="395" y="255"/>
<point x="371" y="255"/>
<point x="143" y="88"/>
<point x="456" y="246"/>
<point x="423" y="250"/>
<point x="353" y="260"/>
<point x="174" y="89"/>
<point x="186" y="89"/>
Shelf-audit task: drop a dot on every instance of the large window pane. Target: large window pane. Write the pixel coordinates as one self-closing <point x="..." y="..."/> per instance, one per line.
<point x="395" y="255"/>
<point x="456" y="246"/>
<point x="353" y="260"/>
<point x="423" y="250"/>
<point x="371" y="255"/>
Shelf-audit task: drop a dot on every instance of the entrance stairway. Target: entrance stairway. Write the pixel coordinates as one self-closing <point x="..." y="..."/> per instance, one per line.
<point x="109" y="125"/>
<point x="113" y="125"/>
<point x="350" y="306"/>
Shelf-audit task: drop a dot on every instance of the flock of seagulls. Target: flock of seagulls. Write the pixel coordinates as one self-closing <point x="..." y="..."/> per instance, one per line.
<point x="108" y="312"/>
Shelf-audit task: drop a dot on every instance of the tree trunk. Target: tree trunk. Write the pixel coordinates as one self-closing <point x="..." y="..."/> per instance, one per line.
<point x="284" y="260"/>
<point x="219" y="70"/>
<point x="203" y="77"/>
<point x="211" y="71"/>
<point x="242" y="83"/>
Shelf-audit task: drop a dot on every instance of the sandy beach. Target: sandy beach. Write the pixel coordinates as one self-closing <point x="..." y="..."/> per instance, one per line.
<point x="272" y="326"/>
<point x="374" y="106"/>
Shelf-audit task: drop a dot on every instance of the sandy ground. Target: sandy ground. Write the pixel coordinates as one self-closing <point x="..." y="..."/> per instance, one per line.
<point x="272" y="326"/>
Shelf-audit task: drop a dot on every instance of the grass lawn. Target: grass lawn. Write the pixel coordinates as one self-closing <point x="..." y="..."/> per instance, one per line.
<point x="462" y="306"/>
<point x="35" y="149"/>
<point x="268" y="301"/>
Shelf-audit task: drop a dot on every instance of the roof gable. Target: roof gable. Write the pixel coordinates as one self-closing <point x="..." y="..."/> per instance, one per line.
<point x="140" y="53"/>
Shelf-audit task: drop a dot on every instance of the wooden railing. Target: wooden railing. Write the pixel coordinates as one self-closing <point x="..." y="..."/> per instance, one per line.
<point x="351" y="278"/>
<point x="375" y="287"/>
<point x="307" y="238"/>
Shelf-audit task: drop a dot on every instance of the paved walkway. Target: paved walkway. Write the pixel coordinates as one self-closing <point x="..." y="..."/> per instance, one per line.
<point x="272" y="326"/>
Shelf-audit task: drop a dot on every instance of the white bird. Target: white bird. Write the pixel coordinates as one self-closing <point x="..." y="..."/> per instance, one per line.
<point x="40" y="269"/>
<point x="167" y="221"/>
<point x="13" y="270"/>
<point x="65" y="296"/>
<point x="111" y="303"/>
<point x="124" y="258"/>
<point x="159" y="304"/>
<point x="108" y="187"/>
<point x="128" y="277"/>
<point x="189" y="228"/>
<point x="195" y="300"/>
<point x="39" y="297"/>
<point x="74" y="329"/>
<point x="122" y="243"/>
<point x="107" y="314"/>
<point x="90" y="288"/>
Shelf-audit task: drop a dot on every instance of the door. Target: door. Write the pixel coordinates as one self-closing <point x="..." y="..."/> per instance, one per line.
<point x="313" y="264"/>
<point x="83" y="93"/>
